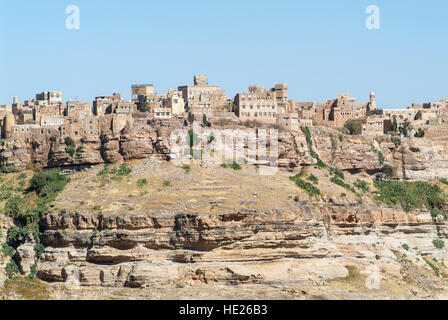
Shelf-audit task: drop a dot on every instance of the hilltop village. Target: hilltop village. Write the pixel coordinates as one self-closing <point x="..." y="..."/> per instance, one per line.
<point x="47" y="119"/>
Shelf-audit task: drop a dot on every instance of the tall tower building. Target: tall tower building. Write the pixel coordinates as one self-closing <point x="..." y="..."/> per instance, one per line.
<point x="372" y="103"/>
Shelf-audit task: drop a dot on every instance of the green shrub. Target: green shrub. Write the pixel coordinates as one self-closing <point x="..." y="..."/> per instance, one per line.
<point x="362" y="185"/>
<point x="354" y="127"/>
<point x="309" y="141"/>
<point x="387" y="170"/>
<point x="166" y="184"/>
<point x="337" y="173"/>
<point x="439" y="244"/>
<point x="124" y="170"/>
<point x="39" y="249"/>
<point x="7" y="250"/>
<point x="444" y="181"/>
<point x="12" y="207"/>
<point x="381" y="157"/>
<point x="22" y="176"/>
<point x="48" y="184"/>
<point x="308" y="187"/>
<point x="411" y="195"/>
<point x="341" y="183"/>
<point x="9" y="169"/>
<point x="235" y="166"/>
<point x="420" y="133"/>
<point x="405" y="247"/>
<point x="187" y="168"/>
<point x="142" y="182"/>
<point x="313" y="179"/>
<point x="396" y="141"/>
<point x="12" y="270"/>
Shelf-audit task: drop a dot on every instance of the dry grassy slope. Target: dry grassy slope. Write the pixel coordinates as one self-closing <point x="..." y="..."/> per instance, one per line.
<point x="331" y="264"/>
<point x="201" y="191"/>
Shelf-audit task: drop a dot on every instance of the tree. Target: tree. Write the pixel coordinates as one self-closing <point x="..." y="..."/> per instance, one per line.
<point x="395" y="125"/>
<point x="354" y="127"/>
<point x="405" y="127"/>
<point x="420" y="133"/>
<point x="190" y="117"/>
<point x="205" y="121"/>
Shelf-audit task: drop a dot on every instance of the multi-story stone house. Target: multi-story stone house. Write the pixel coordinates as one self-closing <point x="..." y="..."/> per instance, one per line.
<point x="203" y="98"/>
<point x="259" y="105"/>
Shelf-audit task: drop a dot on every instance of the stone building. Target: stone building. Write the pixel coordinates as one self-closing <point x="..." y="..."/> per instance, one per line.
<point x="258" y="105"/>
<point x="288" y="121"/>
<point x="175" y="102"/>
<point x="203" y="98"/>
<point x="50" y="97"/>
<point x="335" y="113"/>
<point x="144" y="90"/>
<point x="373" y="125"/>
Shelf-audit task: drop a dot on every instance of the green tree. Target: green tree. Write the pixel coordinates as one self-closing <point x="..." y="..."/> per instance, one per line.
<point x="420" y="133"/>
<point x="354" y="127"/>
<point x="190" y="117"/>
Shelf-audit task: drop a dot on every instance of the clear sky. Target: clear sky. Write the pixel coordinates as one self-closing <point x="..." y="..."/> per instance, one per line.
<point x="320" y="47"/>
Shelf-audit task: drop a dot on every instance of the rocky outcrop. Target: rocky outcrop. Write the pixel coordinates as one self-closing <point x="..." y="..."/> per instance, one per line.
<point x="414" y="158"/>
<point x="140" y="250"/>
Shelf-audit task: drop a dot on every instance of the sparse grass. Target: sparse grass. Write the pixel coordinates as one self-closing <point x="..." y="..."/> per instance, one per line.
<point x="187" y="168"/>
<point x="27" y="289"/>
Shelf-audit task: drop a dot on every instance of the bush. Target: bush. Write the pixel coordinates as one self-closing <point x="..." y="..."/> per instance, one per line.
<point x="387" y="170"/>
<point x="22" y="176"/>
<point x="7" y="250"/>
<point x="381" y="157"/>
<point x="420" y="133"/>
<point x="362" y="185"/>
<point x="439" y="244"/>
<point x="124" y="170"/>
<point x="48" y="184"/>
<point x="341" y="183"/>
<point x="12" y="270"/>
<point x="396" y="141"/>
<point x="187" y="168"/>
<point x="8" y="169"/>
<point x="405" y="247"/>
<point x="142" y="182"/>
<point x="313" y="179"/>
<point x="39" y="249"/>
<point x="354" y="127"/>
<point x="167" y="184"/>
<point x="12" y="207"/>
<point x="411" y="195"/>
<point x="337" y="173"/>
<point x="308" y="187"/>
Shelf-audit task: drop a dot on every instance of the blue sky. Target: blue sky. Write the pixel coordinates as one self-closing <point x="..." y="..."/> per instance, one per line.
<point x="320" y="47"/>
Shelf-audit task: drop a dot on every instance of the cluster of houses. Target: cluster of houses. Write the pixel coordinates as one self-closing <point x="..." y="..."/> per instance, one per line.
<point x="47" y="115"/>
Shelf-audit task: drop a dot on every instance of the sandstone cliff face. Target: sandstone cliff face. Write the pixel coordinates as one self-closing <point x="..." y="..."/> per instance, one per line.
<point x="314" y="245"/>
<point x="415" y="158"/>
